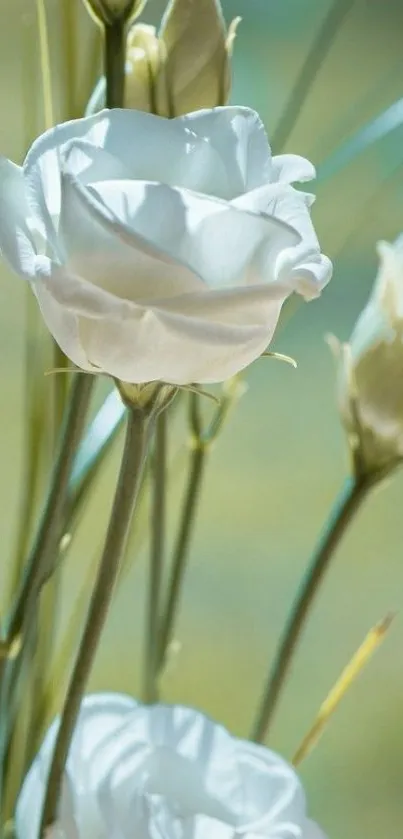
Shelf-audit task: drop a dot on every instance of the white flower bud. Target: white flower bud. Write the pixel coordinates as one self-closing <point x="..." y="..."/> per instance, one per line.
<point x="144" y="90"/>
<point x="109" y="11"/>
<point x="144" y="70"/>
<point x="371" y="378"/>
<point x="198" y="48"/>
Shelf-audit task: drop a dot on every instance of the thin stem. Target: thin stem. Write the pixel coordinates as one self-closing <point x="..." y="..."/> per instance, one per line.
<point x="351" y="497"/>
<point x="114" y="62"/>
<point x="69" y="11"/>
<point x="158" y="478"/>
<point x="181" y="549"/>
<point x="306" y="76"/>
<point x="51" y="525"/>
<point x="35" y="427"/>
<point x="45" y="63"/>
<point x="45" y="549"/>
<point x="60" y="391"/>
<point x="122" y="510"/>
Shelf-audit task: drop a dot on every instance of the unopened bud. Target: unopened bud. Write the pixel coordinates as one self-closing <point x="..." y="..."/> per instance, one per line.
<point x="144" y="61"/>
<point x="371" y="370"/>
<point x="107" y="12"/>
<point x="144" y="69"/>
<point x="198" y="55"/>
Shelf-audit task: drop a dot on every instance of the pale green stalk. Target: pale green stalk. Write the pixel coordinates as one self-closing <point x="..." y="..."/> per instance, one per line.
<point x="343" y="514"/>
<point x="36" y="422"/>
<point x="153" y="608"/>
<point x="201" y="442"/>
<point x="22" y="619"/>
<point x="138" y="426"/>
<point x="45" y="548"/>
<point x="181" y="551"/>
<point x="69" y="12"/>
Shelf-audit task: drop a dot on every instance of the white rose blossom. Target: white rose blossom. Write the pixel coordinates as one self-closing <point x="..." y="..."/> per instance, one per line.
<point x="164" y="772"/>
<point x="161" y="249"/>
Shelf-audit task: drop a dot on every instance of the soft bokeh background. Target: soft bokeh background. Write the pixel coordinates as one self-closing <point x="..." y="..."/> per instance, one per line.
<point x="281" y="459"/>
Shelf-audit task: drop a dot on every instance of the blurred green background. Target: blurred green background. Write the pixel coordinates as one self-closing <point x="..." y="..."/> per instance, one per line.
<point x="281" y="459"/>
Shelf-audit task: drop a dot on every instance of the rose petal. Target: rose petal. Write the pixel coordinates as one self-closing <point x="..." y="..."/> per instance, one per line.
<point x="220" y="243"/>
<point x="313" y="831"/>
<point x="291" y="168"/>
<point x="129" y="266"/>
<point x="271" y="788"/>
<point x="165" y="772"/>
<point x="17" y="243"/>
<point x="303" y="266"/>
<point x="202" y="337"/>
<point x="146" y="146"/>
<point x="239" y="137"/>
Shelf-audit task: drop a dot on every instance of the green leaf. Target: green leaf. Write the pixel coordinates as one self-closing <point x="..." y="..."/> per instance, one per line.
<point x="377" y="129"/>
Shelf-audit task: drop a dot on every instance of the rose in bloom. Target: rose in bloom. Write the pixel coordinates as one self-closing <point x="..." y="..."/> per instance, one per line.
<point x="371" y="368"/>
<point x="161" y="249"/>
<point x="164" y="772"/>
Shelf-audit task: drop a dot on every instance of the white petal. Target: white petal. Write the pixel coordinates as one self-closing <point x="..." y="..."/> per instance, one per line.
<point x="101" y="247"/>
<point x="16" y="235"/>
<point x="62" y="323"/>
<point x="272" y="791"/>
<point x="260" y="199"/>
<point x="303" y="266"/>
<point x="239" y="137"/>
<point x="146" y="146"/>
<point x="174" y="753"/>
<point x="99" y="716"/>
<point x="42" y="171"/>
<point x="205" y="337"/>
<point x="220" y="242"/>
<point x="291" y="168"/>
<point x="313" y="831"/>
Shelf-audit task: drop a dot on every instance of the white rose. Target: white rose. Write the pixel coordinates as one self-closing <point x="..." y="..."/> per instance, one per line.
<point x="371" y="373"/>
<point x="161" y="249"/>
<point x="164" y="772"/>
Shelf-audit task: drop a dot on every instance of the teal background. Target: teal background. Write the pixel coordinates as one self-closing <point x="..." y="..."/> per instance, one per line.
<point x="281" y="460"/>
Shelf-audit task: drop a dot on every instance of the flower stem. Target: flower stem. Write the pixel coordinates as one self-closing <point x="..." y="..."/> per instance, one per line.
<point x="114" y="62"/>
<point x="158" y="477"/>
<point x="45" y="549"/>
<point x="181" y="549"/>
<point x="128" y="484"/>
<point x="51" y="526"/>
<point x="351" y="497"/>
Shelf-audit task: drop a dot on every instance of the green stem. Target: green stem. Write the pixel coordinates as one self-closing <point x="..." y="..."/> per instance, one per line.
<point x="181" y="549"/>
<point x="351" y="497"/>
<point x="158" y="477"/>
<point x="114" y="62"/>
<point x="122" y="510"/>
<point x="45" y="549"/>
<point x="51" y="525"/>
<point x="60" y="391"/>
<point x="306" y="76"/>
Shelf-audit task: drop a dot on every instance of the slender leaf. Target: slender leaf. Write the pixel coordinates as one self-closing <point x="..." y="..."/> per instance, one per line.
<point x="95" y="445"/>
<point x="311" y="66"/>
<point x="377" y="129"/>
